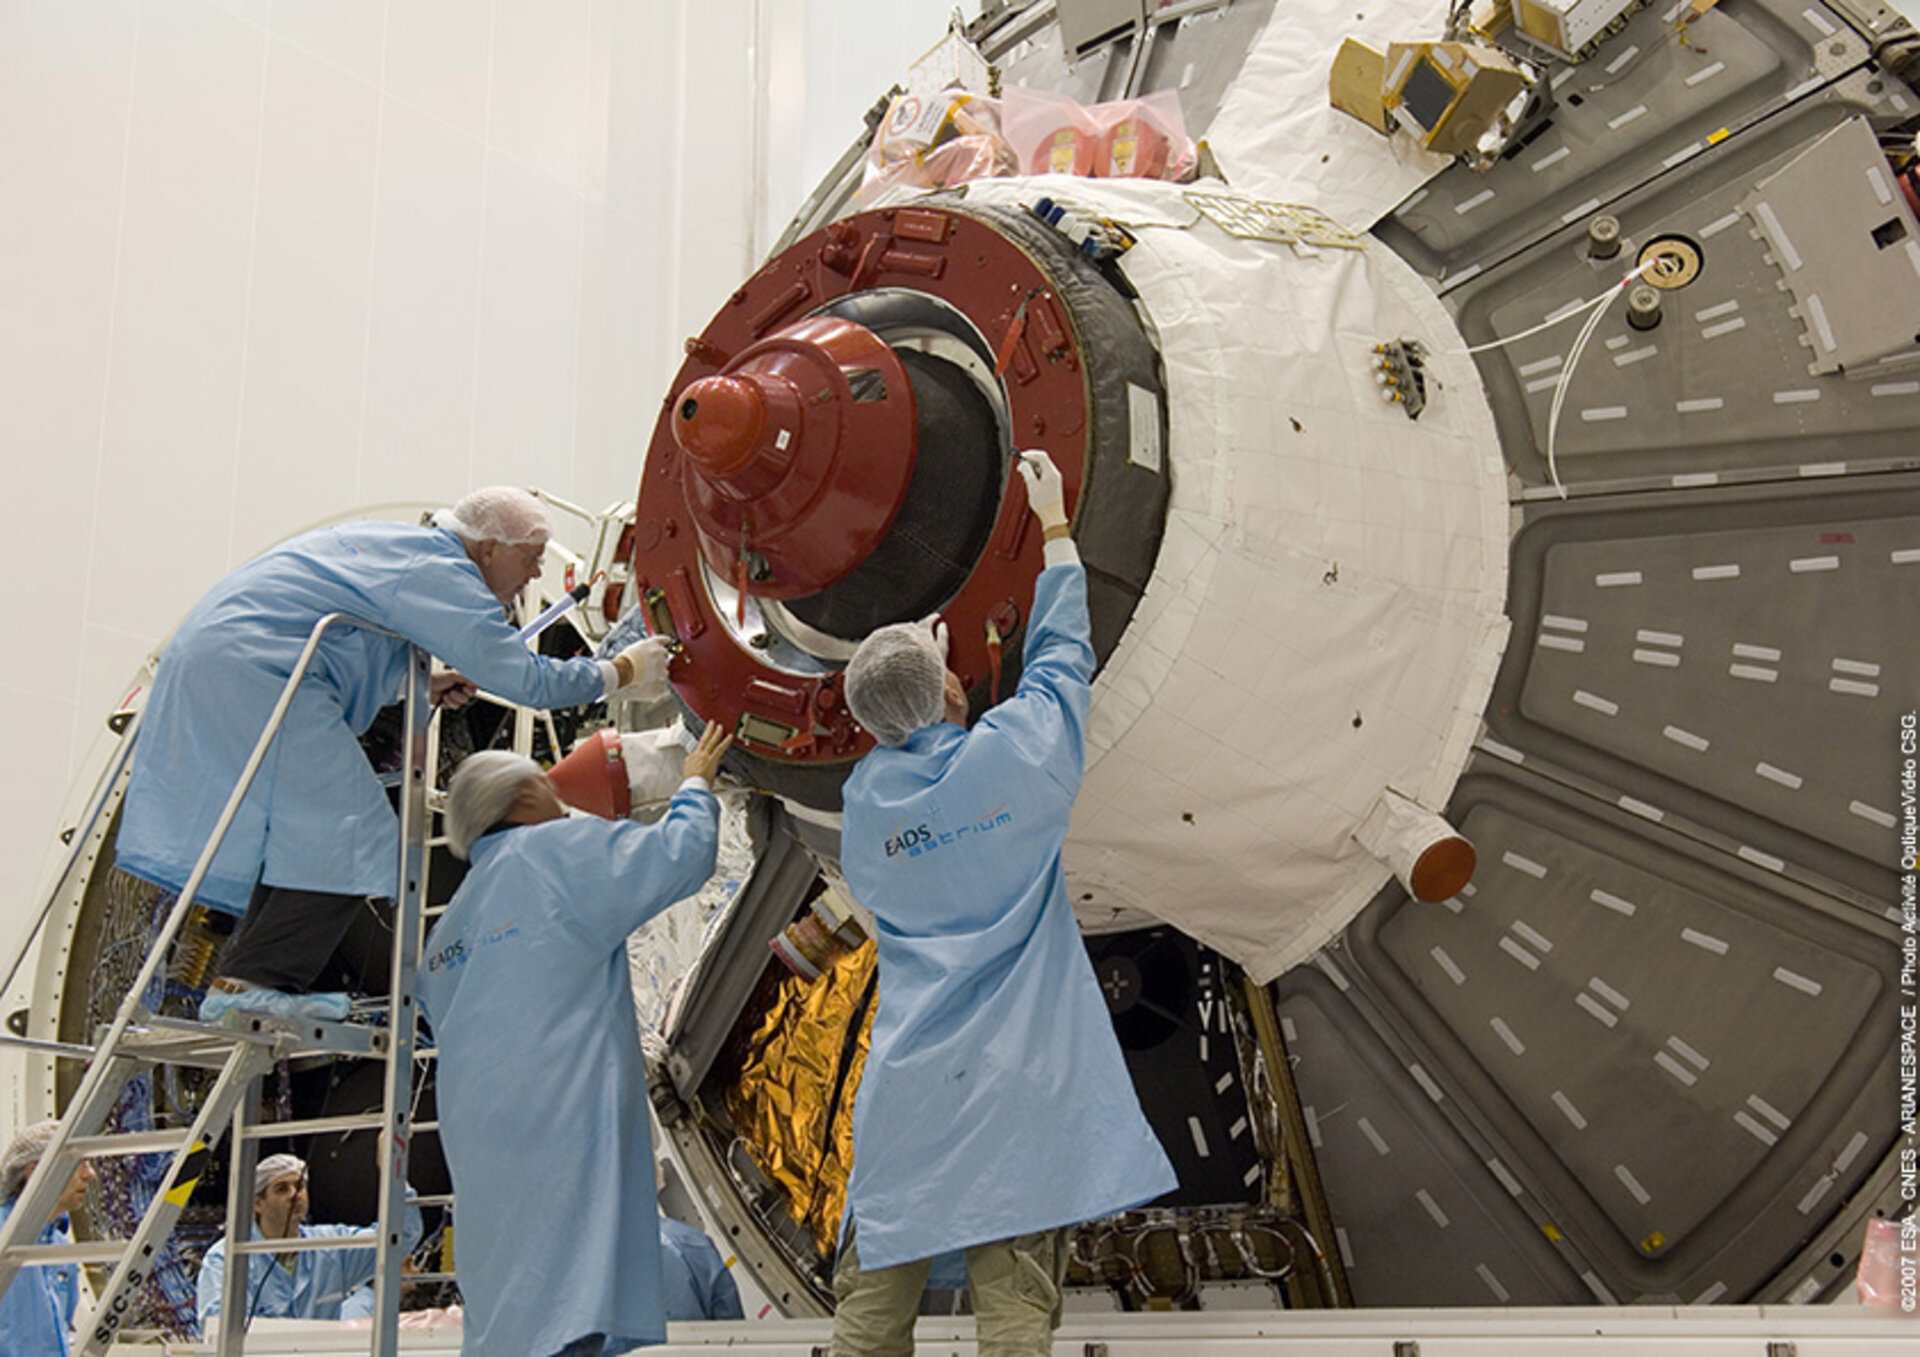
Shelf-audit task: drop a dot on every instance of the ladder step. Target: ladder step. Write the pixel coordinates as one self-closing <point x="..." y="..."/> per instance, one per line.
<point x="366" y="1239"/>
<point x="444" y="1199"/>
<point x="128" y="1142"/>
<point x="50" y="1255"/>
<point x="321" y="1126"/>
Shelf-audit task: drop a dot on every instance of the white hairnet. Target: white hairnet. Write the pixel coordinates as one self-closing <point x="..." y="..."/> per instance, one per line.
<point x="22" y="1154"/>
<point x="896" y="683"/>
<point x="276" y="1166"/>
<point x="498" y="513"/>
<point x="483" y="790"/>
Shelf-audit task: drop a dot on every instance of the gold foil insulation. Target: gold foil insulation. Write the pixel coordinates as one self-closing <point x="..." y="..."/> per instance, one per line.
<point x="785" y="1094"/>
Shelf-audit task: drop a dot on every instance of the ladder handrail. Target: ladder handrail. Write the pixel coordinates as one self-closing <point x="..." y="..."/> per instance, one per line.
<point x="156" y="955"/>
<point x="14" y="1232"/>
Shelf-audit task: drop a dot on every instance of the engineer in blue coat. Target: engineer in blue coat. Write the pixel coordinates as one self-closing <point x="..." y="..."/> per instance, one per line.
<point x="695" y="1283"/>
<point x="36" y="1314"/>
<point x="305" y="1284"/>
<point x="542" y="1086"/>
<point x="995" y="1108"/>
<point x="315" y="838"/>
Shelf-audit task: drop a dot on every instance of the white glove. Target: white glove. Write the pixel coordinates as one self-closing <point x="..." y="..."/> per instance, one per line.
<point x="641" y="669"/>
<point x="936" y="634"/>
<point x="1045" y="494"/>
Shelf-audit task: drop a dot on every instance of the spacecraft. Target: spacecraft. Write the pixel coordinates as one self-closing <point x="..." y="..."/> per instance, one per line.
<point x="1501" y="513"/>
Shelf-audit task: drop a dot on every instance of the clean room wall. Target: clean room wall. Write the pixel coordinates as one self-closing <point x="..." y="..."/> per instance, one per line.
<point x="263" y="262"/>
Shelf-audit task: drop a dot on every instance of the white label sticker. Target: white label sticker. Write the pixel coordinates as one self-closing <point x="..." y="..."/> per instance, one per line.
<point x="1143" y="428"/>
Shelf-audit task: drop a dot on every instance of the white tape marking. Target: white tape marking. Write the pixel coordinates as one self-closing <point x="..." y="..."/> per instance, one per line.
<point x="1539" y="384"/>
<point x="1646" y="812"/>
<point x="1613" y="67"/>
<point x="1479" y="199"/>
<point x="1447" y="964"/>
<point x="1804" y="396"/>
<point x="1753" y="652"/>
<point x="1791" y="781"/>
<point x="1659" y="638"/>
<point x="1633" y="114"/>
<point x="1559" y="623"/>
<point x="1637" y="356"/>
<point x="1586" y="209"/>
<point x="1700" y="406"/>
<point x="1665" y="659"/>
<point x="1895" y="389"/>
<point x="1613" y="902"/>
<point x="1520" y="954"/>
<point x="1505" y="1175"/>
<point x="1760" y="859"/>
<point x="1632" y="1184"/>
<point x="1812" y="469"/>
<point x="1505" y="1033"/>
<point x="1705" y="941"/>
<point x="1699" y="743"/>
<point x="1675" y="1068"/>
<point x="1605" y="1015"/>
<point x="1548" y="641"/>
<point x="1696" y="478"/>
<point x="1716" y="572"/>
<point x="1616" y="579"/>
<point x="1433" y="1208"/>
<point x="1719" y="224"/>
<point x="1552" y="158"/>
<point x="1706" y="73"/>
<point x="1715" y="312"/>
<point x="1425" y="1080"/>
<point x="1794" y="980"/>
<point x="1199" y="1138"/>
<point x="1818" y="22"/>
<point x="1817" y="313"/>
<point x="1500" y="1293"/>
<point x="1687" y="1053"/>
<point x="1527" y="865"/>
<point x="1844" y="1160"/>
<point x="1852" y="688"/>
<point x="1777" y="234"/>
<point x="1806" y="565"/>
<point x="1373" y="1137"/>
<point x="1532" y="935"/>
<point x="1544" y="365"/>
<point x="1763" y="1134"/>
<point x="1864" y="668"/>
<point x="1753" y="673"/>
<point x="1872" y="815"/>
<point x="1769" y="1111"/>
<point x="1725" y="327"/>
<point x="1568" y="1110"/>
<point x="1609" y="993"/>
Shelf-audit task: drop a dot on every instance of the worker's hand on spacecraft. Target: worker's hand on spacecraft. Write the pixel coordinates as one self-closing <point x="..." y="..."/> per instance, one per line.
<point x="703" y="760"/>
<point x="936" y="634"/>
<point x="641" y="669"/>
<point x="451" y="690"/>
<point x="1045" y="493"/>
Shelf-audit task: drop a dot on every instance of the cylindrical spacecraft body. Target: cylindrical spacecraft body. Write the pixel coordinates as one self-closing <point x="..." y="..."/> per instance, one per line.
<point x="1297" y="588"/>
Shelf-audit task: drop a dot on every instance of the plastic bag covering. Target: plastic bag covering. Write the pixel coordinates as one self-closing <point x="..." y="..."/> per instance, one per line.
<point x="930" y="141"/>
<point x="662" y="952"/>
<point x="781" y="1103"/>
<point x="1881" y="1260"/>
<point x="1141" y="138"/>
<point x="1278" y="136"/>
<point x="1326" y="613"/>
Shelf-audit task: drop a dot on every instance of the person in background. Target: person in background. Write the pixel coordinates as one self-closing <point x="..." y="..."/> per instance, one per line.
<point x="36" y="1314"/>
<point x="315" y="838"/>
<point x="995" y="1108"/>
<point x="695" y="1283"/>
<point x="303" y="1284"/>
<point x="542" y="1085"/>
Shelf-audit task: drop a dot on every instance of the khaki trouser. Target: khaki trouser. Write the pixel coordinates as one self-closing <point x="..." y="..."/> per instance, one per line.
<point x="1016" y="1299"/>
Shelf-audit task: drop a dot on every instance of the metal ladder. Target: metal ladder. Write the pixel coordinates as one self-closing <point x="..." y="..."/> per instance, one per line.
<point x="242" y="1049"/>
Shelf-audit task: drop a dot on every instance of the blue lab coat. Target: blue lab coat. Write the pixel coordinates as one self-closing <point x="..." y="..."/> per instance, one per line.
<point x="694" y="1278"/>
<point x="36" y="1314"/>
<point x="321" y="1279"/>
<point x="995" y="1101"/>
<point x="316" y="817"/>
<point x="542" y="1087"/>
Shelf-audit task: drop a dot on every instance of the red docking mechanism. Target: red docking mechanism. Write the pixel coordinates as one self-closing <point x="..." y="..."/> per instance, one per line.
<point x="814" y="426"/>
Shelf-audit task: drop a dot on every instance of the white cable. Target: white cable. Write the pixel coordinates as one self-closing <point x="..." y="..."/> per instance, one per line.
<point x="1573" y="357"/>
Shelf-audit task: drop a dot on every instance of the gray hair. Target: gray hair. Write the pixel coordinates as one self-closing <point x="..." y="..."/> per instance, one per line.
<point x="498" y="513"/>
<point x="482" y="792"/>
<point x="896" y="683"/>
